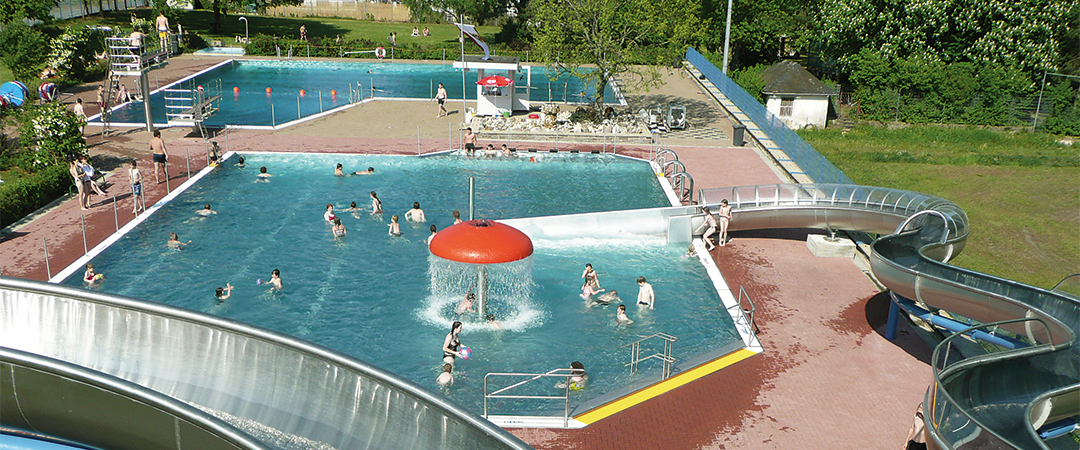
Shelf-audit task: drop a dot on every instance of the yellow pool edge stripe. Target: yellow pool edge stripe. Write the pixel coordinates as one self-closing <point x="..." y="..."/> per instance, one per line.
<point x="660" y="388"/>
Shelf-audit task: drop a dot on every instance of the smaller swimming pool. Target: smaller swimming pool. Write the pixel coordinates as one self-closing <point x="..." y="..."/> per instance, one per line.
<point x="221" y="51"/>
<point x="267" y="92"/>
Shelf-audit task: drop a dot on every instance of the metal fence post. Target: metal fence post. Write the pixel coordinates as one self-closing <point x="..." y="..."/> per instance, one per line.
<point x="116" y="217"/>
<point x="273" y="120"/>
<point x="82" y="220"/>
<point x="45" y="245"/>
<point x="187" y="157"/>
<point x="320" y="100"/>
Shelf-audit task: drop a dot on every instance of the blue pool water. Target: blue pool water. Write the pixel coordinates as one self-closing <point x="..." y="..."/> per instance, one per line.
<point x="317" y="78"/>
<point x="371" y="296"/>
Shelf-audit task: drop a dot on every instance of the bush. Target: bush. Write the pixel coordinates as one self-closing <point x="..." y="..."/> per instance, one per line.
<point x="27" y="194"/>
<point x="54" y="133"/>
<point x="24" y="50"/>
<point x="72" y="53"/>
<point x="749" y="78"/>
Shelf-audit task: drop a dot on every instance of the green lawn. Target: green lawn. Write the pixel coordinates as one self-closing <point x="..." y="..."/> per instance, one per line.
<point x="1021" y="191"/>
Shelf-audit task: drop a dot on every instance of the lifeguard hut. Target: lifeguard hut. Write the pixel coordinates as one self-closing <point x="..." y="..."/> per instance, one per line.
<point x="496" y="97"/>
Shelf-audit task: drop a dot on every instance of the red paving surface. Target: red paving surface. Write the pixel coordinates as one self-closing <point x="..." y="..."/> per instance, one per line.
<point x="827" y="379"/>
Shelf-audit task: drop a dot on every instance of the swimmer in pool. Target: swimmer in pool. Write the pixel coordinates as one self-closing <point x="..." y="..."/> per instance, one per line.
<point x="395" y="227"/>
<point x="369" y="171"/>
<point x="90" y="276"/>
<point x="645" y="296"/>
<point x="353" y="207"/>
<point x="223" y="293"/>
<point x="690" y="252"/>
<point x="578" y="377"/>
<point x="240" y="163"/>
<point x="606" y="298"/>
<point x="329" y="214"/>
<point x="275" y="280"/>
<point x="206" y="211"/>
<point x="433" y="231"/>
<point x="457" y="217"/>
<point x="338" y="172"/>
<point x="376" y="204"/>
<point x="415" y="214"/>
<point x="590" y="277"/>
<point x="587" y="290"/>
<point x="620" y="315"/>
<point x="465" y="305"/>
<point x="339" y="229"/>
<point x="505" y="150"/>
<point x="494" y="324"/>
<point x="446" y="378"/>
<point x="263" y="174"/>
<point x="174" y="242"/>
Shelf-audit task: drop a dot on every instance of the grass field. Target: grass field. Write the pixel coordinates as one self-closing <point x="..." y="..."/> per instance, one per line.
<point x="1021" y="191"/>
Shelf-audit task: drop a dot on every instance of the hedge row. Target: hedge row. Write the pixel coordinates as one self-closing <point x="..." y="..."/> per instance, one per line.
<point x="25" y="195"/>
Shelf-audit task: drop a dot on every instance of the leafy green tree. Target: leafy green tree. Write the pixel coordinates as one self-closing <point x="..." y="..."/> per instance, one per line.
<point x="54" y="132"/>
<point x="760" y="28"/>
<point x="16" y="10"/>
<point x="479" y="11"/>
<point x="72" y="53"/>
<point x="617" y="37"/>
<point x="1022" y="33"/>
<point x="24" y="50"/>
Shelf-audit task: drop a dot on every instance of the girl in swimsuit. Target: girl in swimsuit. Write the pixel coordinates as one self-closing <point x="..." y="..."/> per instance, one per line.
<point x="725" y="217"/>
<point x="452" y="343"/>
<point x="339" y="229"/>
<point x="91" y="277"/>
<point x="376" y="204"/>
<point x="329" y="214"/>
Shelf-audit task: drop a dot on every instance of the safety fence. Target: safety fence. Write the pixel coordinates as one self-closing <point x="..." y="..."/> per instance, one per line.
<point x="356" y="9"/>
<point x="801" y="153"/>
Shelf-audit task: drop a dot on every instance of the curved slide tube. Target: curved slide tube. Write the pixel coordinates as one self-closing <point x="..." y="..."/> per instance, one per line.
<point x="267" y="389"/>
<point x="982" y="399"/>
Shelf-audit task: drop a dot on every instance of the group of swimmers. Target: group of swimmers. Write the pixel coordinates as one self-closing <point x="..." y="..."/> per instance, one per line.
<point x="591" y="288"/>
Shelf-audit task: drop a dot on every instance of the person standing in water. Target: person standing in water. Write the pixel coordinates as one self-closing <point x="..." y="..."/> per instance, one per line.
<point x="395" y="227"/>
<point x="446" y="378"/>
<point x="645" y="296"/>
<point x="451" y="344"/>
<point x="457" y="217"/>
<point x="415" y="214"/>
<point x="376" y="204"/>
<point x="275" y="280"/>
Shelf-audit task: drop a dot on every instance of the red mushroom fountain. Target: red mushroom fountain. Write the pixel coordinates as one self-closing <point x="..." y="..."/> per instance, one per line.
<point x="481" y="242"/>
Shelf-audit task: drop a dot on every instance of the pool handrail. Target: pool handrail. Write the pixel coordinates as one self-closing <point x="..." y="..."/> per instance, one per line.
<point x="272" y="380"/>
<point x="565" y="374"/>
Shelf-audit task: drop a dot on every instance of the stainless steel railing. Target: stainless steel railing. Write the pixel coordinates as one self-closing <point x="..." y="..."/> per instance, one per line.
<point x="564" y="374"/>
<point x="668" y="362"/>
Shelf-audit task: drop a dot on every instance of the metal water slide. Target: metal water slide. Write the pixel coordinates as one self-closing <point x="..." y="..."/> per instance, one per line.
<point x="119" y="373"/>
<point x="984" y="396"/>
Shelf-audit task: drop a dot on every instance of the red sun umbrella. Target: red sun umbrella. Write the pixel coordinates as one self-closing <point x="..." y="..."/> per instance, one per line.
<point x="495" y="81"/>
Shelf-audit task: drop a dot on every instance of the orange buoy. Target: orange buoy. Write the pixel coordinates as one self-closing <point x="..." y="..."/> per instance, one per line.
<point x="236" y="89"/>
<point x="268" y="91"/>
<point x="481" y="242"/>
<point x="333" y="93"/>
<point x="302" y="93"/>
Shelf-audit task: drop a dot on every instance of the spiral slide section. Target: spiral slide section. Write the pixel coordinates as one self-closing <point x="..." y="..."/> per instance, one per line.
<point x="117" y="373"/>
<point x="1010" y="381"/>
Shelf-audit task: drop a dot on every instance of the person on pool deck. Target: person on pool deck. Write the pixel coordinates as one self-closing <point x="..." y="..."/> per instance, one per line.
<point x="433" y="231"/>
<point x="645" y="295"/>
<point x="102" y="104"/>
<point x="369" y="171"/>
<point x="440" y="96"/>
<point x="457" y="217"/>
<point x="620" y="315"/>
<point x="725" y="219"/>
<point x="161" y="156"/>
<point x="470" y="142"/>
<point x="174" y="242"/>
<point x="88" y="173"/>
<point x="80" y="113"/>
<point x="77" y="177"/>
<point x="223" y="293"/>
<point x="338" y="172"/>
<point x="466" y="305"/>
<point x="395" y="227"/>
<point x="415" y="214"/>
<point x="446" y="378"/>
<point x="206" y="211"/>
<point x="451" y="344"/>
<point x="329" y="214"/>
<point x="275" y="280"/>
<point x="376" y="204"/>
<point x="90" y="276"/>
<point x="339" y="229"/>
<point x="710" y="227"/>
<point x="263" y="174"/>
<point x="162" y="23"/>
<point x="136" y="189"/>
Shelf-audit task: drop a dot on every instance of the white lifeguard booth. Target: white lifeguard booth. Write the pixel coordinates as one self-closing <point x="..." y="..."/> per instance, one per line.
<point x="496" y="100"/>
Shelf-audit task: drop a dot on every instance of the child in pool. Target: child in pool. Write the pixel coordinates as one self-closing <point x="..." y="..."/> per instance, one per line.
<point x="446" y="378"/>
<point x="353" y="207"/>
<point x="174" y="242"/>
<point x="620" y="315"/>
<point x="433" y="231"/>
<point x="338" y="172"/>
<point x="339" y="229"/>
<point x="329" y="214"/>
<point x="275" y="280"/>
<point x="223" y="293"/>
<point x="91" y="277"/>
<point x="578" y="377"/>
<point x="376" y="204"/>
<point x="395" y="227"/>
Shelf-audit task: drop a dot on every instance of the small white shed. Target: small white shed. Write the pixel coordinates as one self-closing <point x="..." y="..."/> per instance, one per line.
<point x="493" y="101"/>
<point x="796" y="96"/>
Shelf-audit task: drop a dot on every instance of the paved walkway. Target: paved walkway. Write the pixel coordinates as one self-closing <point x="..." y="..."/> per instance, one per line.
<point x="827" y="378"/>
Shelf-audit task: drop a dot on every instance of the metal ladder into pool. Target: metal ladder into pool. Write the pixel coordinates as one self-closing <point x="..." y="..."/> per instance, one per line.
<point x="664" y="356"/>
<point x="675" y="171"/>
<point x="563" y="374"/>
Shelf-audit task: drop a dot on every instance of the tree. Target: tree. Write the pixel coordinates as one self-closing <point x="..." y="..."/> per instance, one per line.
<point x="1021" y="33"/>
<point x="15" y="10"/>
<point x="618" y="37"/>
<point x="24" y="49"/>
<point x="757" y="28"/>
<point x="479" y="11"/>
<point x="222" y="7"/>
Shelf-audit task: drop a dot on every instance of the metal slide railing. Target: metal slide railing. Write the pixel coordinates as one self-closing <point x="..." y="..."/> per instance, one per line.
<point x="563" y="374"/>
<point x="667" y="361"/>
<point x="284" y="392"/>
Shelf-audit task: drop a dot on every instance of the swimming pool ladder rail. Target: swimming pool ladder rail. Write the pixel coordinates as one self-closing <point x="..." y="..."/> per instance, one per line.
<point x="747" y="314"/>
<point x="664" y="356"/>
<point x="565" y="374"/>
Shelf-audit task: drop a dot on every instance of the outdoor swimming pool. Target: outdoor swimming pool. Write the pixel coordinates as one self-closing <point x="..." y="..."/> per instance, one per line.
<point x="252" y="106"/>
<point x="369" y="295"/>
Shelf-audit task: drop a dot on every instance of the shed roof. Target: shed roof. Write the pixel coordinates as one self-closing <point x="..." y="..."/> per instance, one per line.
<point x="788" y="77"/>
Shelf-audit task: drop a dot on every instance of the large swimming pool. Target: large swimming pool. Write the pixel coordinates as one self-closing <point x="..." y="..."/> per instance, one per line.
<point x="251" y="105"/>
<point x="371" y="296"/>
